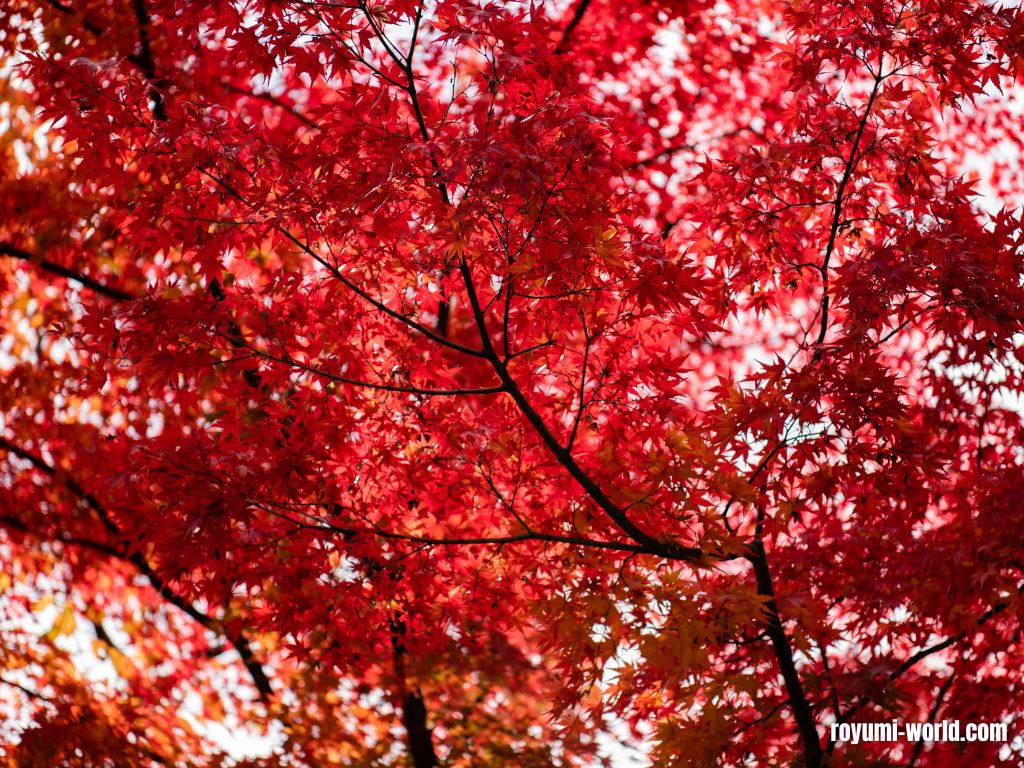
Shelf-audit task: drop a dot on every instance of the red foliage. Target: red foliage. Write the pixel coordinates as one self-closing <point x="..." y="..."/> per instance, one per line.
<point x="462" y="381"/>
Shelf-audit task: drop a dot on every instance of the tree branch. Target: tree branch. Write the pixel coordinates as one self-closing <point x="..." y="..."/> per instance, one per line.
<point x="238" y="640"/>
<point x="419" y="734"/>
<point x="577" y="17"/>
<point x="911" y="661"/>
<point x="379" y="305"/>
<point x="145" y="62"/>
<point x="940" y="699"/>
<point x="564" y="457"/>
<point x="689" y="146"/>
<point x="837" y="212"/>
<point x="6" y="249"/>
<point x="27" y="691"/>
<point x="379" y="386"/>
<point x="798" y="703"/>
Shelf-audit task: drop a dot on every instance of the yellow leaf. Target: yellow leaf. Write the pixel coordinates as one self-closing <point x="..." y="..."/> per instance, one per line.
<point x="124" y="666"/>
<point x="214" y="708"/>
<point x="64" y="625"/>
<point x="740" y="489"/>
<point x="42" y="603"/>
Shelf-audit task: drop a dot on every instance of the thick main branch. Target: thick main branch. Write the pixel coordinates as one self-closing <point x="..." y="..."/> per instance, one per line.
<point x="783" y="651"/>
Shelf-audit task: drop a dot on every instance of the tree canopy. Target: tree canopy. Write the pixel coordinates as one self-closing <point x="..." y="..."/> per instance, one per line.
<point x="478" y="383"/>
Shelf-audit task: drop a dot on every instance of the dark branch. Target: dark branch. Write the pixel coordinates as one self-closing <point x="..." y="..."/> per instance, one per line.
<point x="6" y="249"/>
<point x="27" y="691"/>
<point x="145" y="62"/>
<point x="68" y="10"/>
<point x="564" y="457"/>
<point x="837" y="213"/>
<point x="940" y="699"/>
<point x="418" y="732"/>
<point x="380" y="386"/>
<point x="798" y="703"/>
<point x="379" y="305"/>
<point x="239" y="641"/>
<point x="911" y="661"/>
<point x="577" y="17"/>
<point x="688" y="147"/>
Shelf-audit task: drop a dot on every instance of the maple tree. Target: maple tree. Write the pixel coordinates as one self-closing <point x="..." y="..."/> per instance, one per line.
<point x="473" y="383"/>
